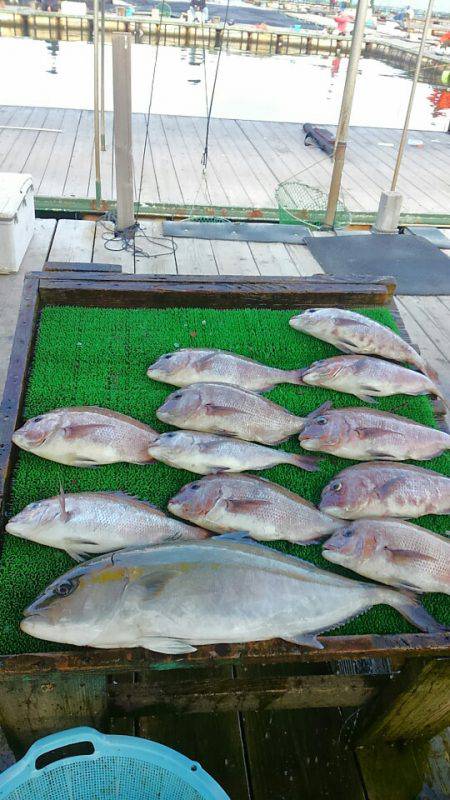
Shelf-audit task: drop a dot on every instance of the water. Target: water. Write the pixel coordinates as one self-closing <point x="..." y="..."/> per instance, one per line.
<point x="278" y="88"/>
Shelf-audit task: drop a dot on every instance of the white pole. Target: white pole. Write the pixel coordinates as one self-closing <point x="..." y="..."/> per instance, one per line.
<point x="402" y="144"/>
<point x="123" y="143"/>
<point x="98" y="183"/>
<point x="346" y="110"/>
<point x="102" y="75"/>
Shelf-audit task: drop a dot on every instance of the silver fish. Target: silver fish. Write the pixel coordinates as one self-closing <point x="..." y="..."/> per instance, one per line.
<point x="218" y="408"/>
<point x="393" y="552"/>
<point x="88" y="523"/>
<point x="368" y="377"/>
<point x="365" y="434"/>
<point x="384" y="489"/>
<point x="176" y="596"/>
<point x="355" y="333"/>
<point x="206" y="452"/>
<point x="86" y="436"/>
<point x="187" y="366"/>
<point x="265" y="510"/>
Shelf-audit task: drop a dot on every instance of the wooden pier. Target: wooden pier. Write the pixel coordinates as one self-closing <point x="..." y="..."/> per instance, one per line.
<point x="247" y="160"/>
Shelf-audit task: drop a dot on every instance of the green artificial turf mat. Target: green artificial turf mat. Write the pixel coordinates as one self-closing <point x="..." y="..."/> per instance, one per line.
<point x="90" y="356"/>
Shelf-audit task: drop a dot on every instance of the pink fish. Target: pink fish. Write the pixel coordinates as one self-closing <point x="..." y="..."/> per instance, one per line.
<point x="393" y="552"/>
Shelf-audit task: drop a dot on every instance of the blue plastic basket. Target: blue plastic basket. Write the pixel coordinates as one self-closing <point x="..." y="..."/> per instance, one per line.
<point x="83" y="764"/>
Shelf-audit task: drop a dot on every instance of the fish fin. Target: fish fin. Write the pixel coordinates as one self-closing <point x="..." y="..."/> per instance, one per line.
<point x="432" y="374"/>
<point x="234" y="536"/>
<point x="64" y="514"/>
<point x="84" y="462"/>
<point x="162" y="645"/>
<point x="295" y="376"/>
<point x="305" y="639"/>
<point x="372" y="433"/>
<point x="220" y="411"/>
<point x="411" y="608"/>
<point x="242" y="506"/>
<point x="309" y="463"/>
<point x="380" y="454"/>
<point x="343" y="348"/>
<point x="78" y="556"/>
<point x="320" y="410"/>
<point x="154" y="581"/>
<point x="343" y="322"/>
<point x="366" y="398"/>
<point x="399" y="556"/>
<point x="71" y="431"/>
<point x="127" y="496"/>
<point x="384" y="491"/>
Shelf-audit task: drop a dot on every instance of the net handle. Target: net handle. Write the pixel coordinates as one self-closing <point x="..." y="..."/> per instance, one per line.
<point x="75" y="742"/>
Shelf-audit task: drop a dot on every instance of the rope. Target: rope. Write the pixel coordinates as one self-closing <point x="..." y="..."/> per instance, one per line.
<point x="208" y="118"/>
<point x="125" y="241"/>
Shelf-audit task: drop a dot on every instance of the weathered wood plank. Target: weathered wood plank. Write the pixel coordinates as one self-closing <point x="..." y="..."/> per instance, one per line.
<point x="304" y="259"/>
<point x="45" y="706"/>
<point x="415" y="703"/>
<point x="401" y="771"/>
<point x="272" y="258"/>
<point x="73" y="241"/>
<point x="161" y="257"/>
<point x="234" y="258"/>
<point x="107" y="249"/>
<point x="262" y="693"/>
<point x="213" y="740"/>
<point x="195" y="257"/>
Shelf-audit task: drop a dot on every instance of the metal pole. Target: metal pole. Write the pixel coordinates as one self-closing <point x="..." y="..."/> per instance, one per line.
<point x="98" y="180"/>
<point x="346" y="109"/>
<point x="402" y="144"/>
<point x="123" y="142"/>
<point x="102" y="75"/>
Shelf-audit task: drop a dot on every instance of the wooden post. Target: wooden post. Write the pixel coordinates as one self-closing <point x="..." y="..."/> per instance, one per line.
<point x="346" y="110"/>
<point x="102" y="75"/>
<point x="416" y="703"/>
<point x="98" y="183"/>
<point x="405" y="131"/>
<point x="121" y="50"/>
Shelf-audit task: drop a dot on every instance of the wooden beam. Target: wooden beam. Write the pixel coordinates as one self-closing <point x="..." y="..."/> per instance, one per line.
<point x="265" y="693"/>
<point x="123" y="137"/>
<point x="416" y="703"/>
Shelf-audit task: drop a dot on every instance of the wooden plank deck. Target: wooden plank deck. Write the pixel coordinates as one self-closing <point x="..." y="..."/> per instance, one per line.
<point x="247" y="160"/>
<point x="270" y="754"/>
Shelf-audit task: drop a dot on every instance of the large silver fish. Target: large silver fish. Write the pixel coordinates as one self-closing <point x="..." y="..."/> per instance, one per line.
<point x="176" y="596"/>
<point x="384" y="489"/>
<point x="86" y="436"/>
<point x="206" y="452"/>
<point x="187" y="366"/>
<point x="218" y="408"/>
<point x="355" y="333"/>
<point x="393" y="552"/>
<point x="368" y="377"/>
<point x="88" y="523"/>
<point x="365" y="434"/>
<point x="265" y="510"/>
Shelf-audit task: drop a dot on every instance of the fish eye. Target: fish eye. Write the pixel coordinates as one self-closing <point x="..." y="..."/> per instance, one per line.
<point x="347" y="533"/>
<point x="66" y="587"/>
<point x="37" y="419"/>
<point x="311" y="310"/>
<point x="177" y="395"/>
<point x="336" y="486"/>
<point x="170" y="435"/>
<point x="195" y="486"/>
<point x="321" y="420"/>
<point x="169" y="355"/>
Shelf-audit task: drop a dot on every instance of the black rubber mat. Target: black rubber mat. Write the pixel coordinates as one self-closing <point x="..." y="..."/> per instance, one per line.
<point x="418" y="266"/>
<point x="433" y="235"/>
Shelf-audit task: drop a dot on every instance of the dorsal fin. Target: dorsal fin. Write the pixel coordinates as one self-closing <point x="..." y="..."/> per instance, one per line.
<point x="62" y="504"/>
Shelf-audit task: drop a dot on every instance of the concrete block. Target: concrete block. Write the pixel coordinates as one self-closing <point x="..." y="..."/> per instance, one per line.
<point x="388" y="213"/>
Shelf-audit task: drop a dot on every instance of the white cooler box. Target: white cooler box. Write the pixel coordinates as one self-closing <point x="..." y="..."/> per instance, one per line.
<point x="16" y="218"/>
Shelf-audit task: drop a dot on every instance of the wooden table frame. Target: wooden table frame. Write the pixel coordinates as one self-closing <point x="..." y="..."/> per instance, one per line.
<point x="41" y="692"/>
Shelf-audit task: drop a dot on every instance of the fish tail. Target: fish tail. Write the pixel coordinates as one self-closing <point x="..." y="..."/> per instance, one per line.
<point x="424" y="367"/>
<point x="310" y="463"/>
<point x="295" y="376"/>
<point x="439" y="393"/>
<point x="412" y="609"/>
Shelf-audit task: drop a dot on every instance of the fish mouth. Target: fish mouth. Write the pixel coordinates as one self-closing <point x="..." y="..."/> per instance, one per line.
<point x="13" y="528"/>
<point x="328" y="545"/>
